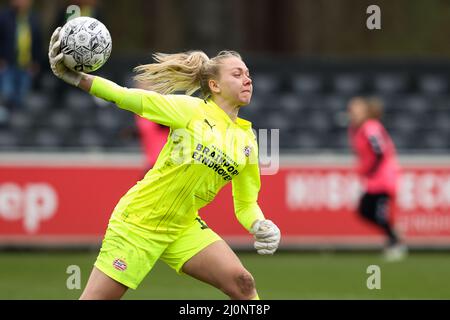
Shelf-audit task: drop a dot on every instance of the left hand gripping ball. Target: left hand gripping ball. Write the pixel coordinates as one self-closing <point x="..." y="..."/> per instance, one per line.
<point x="85" y="43"/>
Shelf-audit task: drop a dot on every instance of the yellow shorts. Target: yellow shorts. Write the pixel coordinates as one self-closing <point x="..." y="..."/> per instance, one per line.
<point x="129" y="252"/>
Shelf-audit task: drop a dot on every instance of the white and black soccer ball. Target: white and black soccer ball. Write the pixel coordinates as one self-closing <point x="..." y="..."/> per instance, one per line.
<point x="85" y="43"/>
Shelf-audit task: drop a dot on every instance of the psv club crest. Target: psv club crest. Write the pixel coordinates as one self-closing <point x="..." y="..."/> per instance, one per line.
<point x="120" y="264"/>
<point x="247" y="150"/>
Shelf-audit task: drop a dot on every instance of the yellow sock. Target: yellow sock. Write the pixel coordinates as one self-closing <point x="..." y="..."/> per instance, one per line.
<point x="256" y="297"/>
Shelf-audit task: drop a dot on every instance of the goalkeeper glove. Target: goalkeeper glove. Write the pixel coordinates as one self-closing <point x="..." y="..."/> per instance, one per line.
<point x="267" y="236"/>
<point x="56" y="61"/>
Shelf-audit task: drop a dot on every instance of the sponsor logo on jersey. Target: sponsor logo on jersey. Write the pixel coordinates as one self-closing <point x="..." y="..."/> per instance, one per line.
<point x="120" y="264"/>
<point x="217" y="160"/>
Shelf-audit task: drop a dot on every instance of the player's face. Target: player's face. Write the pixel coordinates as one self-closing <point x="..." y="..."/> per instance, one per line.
<point x="357" y="112"/>
<point x="234" y="81"/>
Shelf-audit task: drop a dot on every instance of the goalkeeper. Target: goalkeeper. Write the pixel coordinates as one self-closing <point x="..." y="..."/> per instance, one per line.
<point x="208" y="146"/>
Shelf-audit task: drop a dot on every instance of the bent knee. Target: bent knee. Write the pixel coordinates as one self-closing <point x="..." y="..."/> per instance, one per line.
<point x="246" y="283"/>
<point x="242" y="286"/>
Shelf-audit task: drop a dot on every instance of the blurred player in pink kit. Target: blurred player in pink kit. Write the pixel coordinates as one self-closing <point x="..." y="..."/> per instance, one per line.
<point x="153" y="137"/>
<point x="378" y="168"/>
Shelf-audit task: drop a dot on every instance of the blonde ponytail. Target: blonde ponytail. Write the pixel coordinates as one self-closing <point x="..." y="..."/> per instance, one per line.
<point x="186" y="72"/>
<point x="173" y="72"/>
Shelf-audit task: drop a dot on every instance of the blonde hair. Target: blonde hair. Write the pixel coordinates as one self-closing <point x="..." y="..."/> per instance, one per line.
<point x="374" y="106"/>
<point x="186" y="72"/>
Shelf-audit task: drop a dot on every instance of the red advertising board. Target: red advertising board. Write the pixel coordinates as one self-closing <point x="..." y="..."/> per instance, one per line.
<point x="60" y="203"/>
<point x="312" y="204"/>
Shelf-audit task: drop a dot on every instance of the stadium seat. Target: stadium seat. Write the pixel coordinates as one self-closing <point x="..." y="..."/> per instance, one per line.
<point x="27" y="139"/>
<point x="416" y="104"/>
<point x="279" y="120"/>
<point x="339" y="120"/>
<point x="37" y="102"/>
<point x="76" y="99"/>
<point x="404" y="140"/>
<point x="126" y="138"/>
<point x="432" y="84"/>
<point x="292" y="103"/>
<point x="20" y="120"/>
<point x="264" y="83"/>
<point x="307" y="83"/>
<point x="307" y="140"/>
<point x="47" y="138"/>
<point x="4" y="115"/>
<point x="108" y="119"/>
<point x="300" y="120"/>
<point x="61" y="120"/>
<point x="286" y="138"/>
<point x="319" y="120"/>
<point x="440" y="122"/>
<point x="390" y="83"/>
<point x="90" y="138"/>
<point x="71" y="140"/>
<point x="266" y="102"/>
<point x="391" y="102"/>
<point x="348" y="84"/>
<point x="404" y="122"/>
<point x="255" y="103"/>
<point x="250" y="111"/>
<point x="338" y="139"/>
<point x="8" y="139"/>
<point x="432" y="140"/>
<point x="84" y="120"/>
<point x="48" y="82"/>
<point x="334" y="103"/>
<point x="272" y="120"/>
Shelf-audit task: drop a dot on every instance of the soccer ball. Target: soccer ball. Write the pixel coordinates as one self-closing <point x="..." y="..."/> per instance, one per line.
<point x="85" y="43"/>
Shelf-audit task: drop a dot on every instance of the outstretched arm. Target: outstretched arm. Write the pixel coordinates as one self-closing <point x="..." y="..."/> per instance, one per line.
<point x="170" y="110"/>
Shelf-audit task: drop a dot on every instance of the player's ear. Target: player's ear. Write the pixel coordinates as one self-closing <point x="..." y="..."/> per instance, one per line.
<point x="214" y="86"/>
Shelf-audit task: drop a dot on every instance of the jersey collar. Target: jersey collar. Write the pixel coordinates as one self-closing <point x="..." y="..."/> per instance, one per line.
<point x="244" y="124"/>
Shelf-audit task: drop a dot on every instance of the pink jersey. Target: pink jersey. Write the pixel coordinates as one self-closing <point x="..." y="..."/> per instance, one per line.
<point x="376" y="157"/>
<point x="153" y="137"/>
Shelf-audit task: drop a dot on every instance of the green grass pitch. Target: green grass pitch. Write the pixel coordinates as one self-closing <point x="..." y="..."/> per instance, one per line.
<point x="286" y="275"/>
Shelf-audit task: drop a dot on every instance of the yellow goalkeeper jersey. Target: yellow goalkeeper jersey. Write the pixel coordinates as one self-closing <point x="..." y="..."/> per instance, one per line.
<point x="205" y="150"/>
